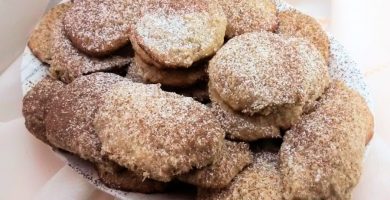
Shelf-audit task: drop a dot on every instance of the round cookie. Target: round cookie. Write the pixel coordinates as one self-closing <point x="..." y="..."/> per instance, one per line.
<point x="169" y="77"/>
<point x="154" y="133"/>
<point x="69" y="63"/>
<point x="230" y="161"/>
<point x="41" y="39"/>
<point x="114" y="176"/>
<point x="321" y="156"/>
<point x="173" y="34"/>
<point x="69" y="119"/>
<point x="98" y="27"/>
<point x="297" y="24"/>
<point x="249" y="15"/>
<point x="261" y="180"/>
<point x="35" y="106"/>
<point x="286" y="72"/>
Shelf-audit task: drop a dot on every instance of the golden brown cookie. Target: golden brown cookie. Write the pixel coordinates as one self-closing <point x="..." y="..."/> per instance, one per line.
<point x="114" y="176"/>
<point x="154" y="133"/>
<point x="230" y="161"/>
<point x="69" y="119"/>
<point x="169" y="77"/>
<point x="261" y="180"/>
<point x="41" y="39"/>
<point x="249" y="15"/>
<point x="259" y="72"/>
<point x="321" y="156"/>
<point x="69" y="63"/>
<point x="98" y="27"/>
<point x="297" y="24"/>
<point x="173" y="34"/>
<point x="35" y="106"/>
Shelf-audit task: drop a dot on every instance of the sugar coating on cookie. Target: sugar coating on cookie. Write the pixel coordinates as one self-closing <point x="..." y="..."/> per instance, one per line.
<point x="249" y="15"/>
<point x="174" y="34"/>
<point x="35" y="106"/>
<point x="321" y="156"/>
<point x="69" y="63"/>
<point x="41" y="39"/>
<point x="98" y="27"/>
<point x="114" y="176"/>
<point x="297" y="24"/>
<point x="261" y="180"/>
<point x="229" y="162"/>
<point x="259" y="72"/>
<point x="69" y="120"/>
<point x="169" y="77"/>
<point x="154" y="133"/>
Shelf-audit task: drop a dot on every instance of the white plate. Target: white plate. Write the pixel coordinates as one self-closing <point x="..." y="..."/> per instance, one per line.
<point x="341" y="67"/>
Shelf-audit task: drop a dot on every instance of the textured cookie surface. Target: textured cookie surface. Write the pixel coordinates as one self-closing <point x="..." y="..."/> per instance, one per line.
<point x="297" y="24"/>
<point x="121" y="178"/>
<point x="35" y="106"/>
<point x="321" y="156"/>
<point x="154" y="133"/>
<point x="249" y="15"/>
<point x="168" y="77"/>
<point x="178" y="33"/>
<point x="98" y="27"/>
<point x="41" y="39"/>
<point x="69" y="121"/>
<point x="230" y="161"/>
<point x="260" y="72"/>
<point x="69" y="63"/>
<point x="261" y="180"/>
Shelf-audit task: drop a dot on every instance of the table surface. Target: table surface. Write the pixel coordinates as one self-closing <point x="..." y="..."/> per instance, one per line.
<point x="30" y="169"/>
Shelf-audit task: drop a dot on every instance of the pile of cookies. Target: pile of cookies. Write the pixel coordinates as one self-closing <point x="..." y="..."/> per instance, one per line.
<point x="232" y="97"/>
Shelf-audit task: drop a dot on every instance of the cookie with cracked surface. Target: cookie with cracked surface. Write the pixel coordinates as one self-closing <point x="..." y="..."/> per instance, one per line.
<point x="35" y="106"/>
<point x="249" y="15"/>
<point x="99" y="27"/>
<point x="260" y="72"/>
<point x="69" y="119"/>
<point x="261" y="180"/>
<point x="168" y="77"/>
<point x="322" y="155"/>
<point x="117" y="177"/>
<point x="69" y="63"/>
<point x="297" y="24"/>
<point x="229" y="162"/>
<point x="154" y="133"/>
<point x="173" y="34"/>
<point x="41" y="39"/>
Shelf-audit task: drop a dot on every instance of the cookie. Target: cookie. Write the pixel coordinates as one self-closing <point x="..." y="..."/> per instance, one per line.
<point x="41" y="38"/>
<point x="261" y="72"/>
<point x="156" y="134"/>
<point x="98" y="27"/>
<point x="261" y="180"/>
<point x="69" y="120"/>
<point x="169" y="77"/>
<point x="114" y="176"/>
<point x="249" y="16"/>
<point x="321" y="156"/>
<point x="69" y="63"/>
<point x="35" y="106"/>
<point x="176" y="34"/>
<point x="230" y="161"/>
<point x="297" y="24"/>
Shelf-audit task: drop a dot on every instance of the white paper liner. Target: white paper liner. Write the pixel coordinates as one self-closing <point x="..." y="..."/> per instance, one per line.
<point x="341" y="67"/>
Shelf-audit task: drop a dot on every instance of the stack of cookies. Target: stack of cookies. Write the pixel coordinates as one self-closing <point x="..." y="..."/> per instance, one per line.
<point x="231" y="97"/>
